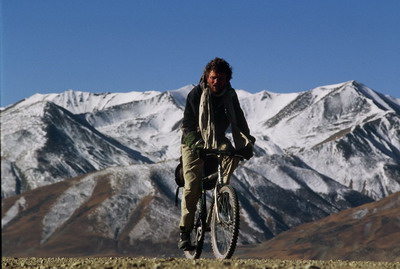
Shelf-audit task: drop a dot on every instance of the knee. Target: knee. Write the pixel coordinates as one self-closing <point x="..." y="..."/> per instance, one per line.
<point x="193" y="185"/>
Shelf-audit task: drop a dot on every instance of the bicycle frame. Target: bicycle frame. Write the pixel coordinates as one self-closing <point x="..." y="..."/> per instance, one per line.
<point x="219" y="182"/>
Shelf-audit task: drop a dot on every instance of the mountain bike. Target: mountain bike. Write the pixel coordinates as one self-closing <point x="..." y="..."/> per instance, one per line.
<point x="222" y="217"/>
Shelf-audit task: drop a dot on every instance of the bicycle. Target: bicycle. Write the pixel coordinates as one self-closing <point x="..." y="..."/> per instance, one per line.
<point x="221" y="220"/>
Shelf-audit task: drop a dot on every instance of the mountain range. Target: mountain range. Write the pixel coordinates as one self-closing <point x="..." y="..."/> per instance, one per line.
<point x="93" y="174"/>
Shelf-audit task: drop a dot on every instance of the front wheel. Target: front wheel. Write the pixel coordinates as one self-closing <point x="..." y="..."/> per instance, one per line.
<point x="225" y="227"/>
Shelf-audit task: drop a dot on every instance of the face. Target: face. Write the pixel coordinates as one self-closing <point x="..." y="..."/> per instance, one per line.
<point x="216" y="81"/>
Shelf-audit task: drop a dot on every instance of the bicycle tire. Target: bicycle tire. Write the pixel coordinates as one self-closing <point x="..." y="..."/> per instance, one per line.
<point x="197" y="234"/>
<point x="224" y="234"/>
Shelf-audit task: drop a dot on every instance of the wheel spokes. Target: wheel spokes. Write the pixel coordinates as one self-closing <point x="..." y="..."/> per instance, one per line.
<point x="225" y="223"/>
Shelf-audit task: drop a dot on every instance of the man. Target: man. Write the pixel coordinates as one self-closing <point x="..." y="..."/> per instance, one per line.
<point x="211" y="107"/>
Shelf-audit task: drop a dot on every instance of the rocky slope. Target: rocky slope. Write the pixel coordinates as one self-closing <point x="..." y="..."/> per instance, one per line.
<point x="370" y="232"/>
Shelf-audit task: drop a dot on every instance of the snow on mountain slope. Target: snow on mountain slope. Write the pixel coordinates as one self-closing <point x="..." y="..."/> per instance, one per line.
<point x="180" y="95"/>
<point x="21" y="139"/>
<point x="278" y="192"/>
<point x="131" y="210"/>
<point x="81" y="102"/>
<point x="150" y="126"/>
<point x="316" y="115"/>
<point x="260" y="107"/>
<point x="366" y="159"/>
<point x="385" y="102"/>
<point x="44" y="143"/>
<point x="115" y="210"/>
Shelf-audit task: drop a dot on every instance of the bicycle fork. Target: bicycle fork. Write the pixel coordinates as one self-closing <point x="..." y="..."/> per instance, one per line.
<point x="216" y="189"/>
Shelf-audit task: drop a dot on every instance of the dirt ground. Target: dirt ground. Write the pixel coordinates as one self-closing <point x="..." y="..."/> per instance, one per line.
<point x="157" y="263"/>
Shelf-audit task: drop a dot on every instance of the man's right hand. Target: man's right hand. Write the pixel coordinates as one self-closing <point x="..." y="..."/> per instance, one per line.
<point x="198" y="148"/>
<point x="194" y="141"/>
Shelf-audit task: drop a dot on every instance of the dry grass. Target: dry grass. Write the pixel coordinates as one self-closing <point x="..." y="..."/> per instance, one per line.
<point x="157" y="263"/>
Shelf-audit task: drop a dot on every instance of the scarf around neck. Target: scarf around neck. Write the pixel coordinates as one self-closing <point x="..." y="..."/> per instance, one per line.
<point x="206" y="115"/>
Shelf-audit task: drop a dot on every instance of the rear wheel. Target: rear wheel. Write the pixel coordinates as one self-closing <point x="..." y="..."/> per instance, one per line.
<point x="197" y="234"/>
<point x="225" y="227"/>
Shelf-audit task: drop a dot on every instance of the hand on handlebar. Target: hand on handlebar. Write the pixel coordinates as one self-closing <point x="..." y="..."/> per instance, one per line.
<point x="221" y="153"/>
<point x="246" y="152"/>
<point x="198" y="148"/>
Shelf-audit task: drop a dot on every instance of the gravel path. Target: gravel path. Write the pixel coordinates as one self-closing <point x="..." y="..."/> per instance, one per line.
<point x="157" y="263"/>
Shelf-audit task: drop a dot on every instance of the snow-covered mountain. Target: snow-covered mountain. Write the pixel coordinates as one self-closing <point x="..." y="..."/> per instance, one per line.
<point x="42" y="143"/>
<point x="317" y="152"/>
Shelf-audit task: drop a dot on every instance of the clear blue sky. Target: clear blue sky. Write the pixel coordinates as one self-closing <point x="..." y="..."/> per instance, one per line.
<point x="136" y="45"/>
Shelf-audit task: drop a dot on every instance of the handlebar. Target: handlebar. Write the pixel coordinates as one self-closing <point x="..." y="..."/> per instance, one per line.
<point x="216" y="152"/>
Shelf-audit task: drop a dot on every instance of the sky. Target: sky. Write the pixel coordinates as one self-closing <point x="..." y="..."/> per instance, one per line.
<point x="50" y="46"/>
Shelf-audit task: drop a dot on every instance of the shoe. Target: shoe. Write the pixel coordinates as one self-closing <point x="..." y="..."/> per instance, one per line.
<point x="184" y="240"/>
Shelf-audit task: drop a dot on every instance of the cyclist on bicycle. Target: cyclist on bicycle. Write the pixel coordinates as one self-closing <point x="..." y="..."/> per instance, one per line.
<point x="211" y="107"/>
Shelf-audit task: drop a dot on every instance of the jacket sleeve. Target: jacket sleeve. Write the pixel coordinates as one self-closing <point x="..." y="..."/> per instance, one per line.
<point x="190" y="120"/>
<point x="241" y="120"/>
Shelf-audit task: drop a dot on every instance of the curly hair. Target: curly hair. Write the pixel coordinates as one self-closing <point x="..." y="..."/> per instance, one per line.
<point x="218" y="65"/>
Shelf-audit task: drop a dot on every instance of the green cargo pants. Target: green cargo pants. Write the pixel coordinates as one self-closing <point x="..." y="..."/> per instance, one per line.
<point x="193" y="172"/>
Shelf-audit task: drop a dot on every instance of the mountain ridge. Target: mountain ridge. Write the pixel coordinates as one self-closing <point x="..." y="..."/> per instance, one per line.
<point x="329" y="149"/>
